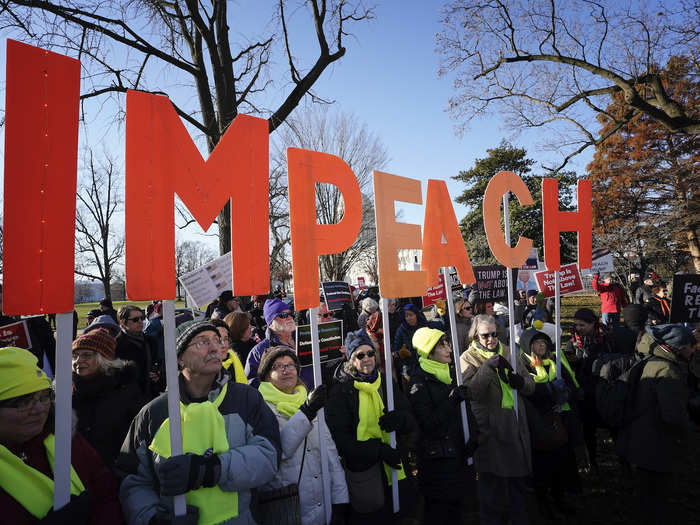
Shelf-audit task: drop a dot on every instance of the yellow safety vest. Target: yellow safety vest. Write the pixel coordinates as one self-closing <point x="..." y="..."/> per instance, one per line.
<point x="29" y="487"/>
<point x="203" y="429"/>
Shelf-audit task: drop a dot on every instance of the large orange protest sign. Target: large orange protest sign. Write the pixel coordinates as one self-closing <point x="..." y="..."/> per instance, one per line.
<point x="555" y="221"/>
<point x="440" y="220"/>
<point x="308" y="238"/>
<point x="501" y="183"/>
<point x="41" y="145"/>
<point x="393" y="236"/>
<point x="162" y="160"/>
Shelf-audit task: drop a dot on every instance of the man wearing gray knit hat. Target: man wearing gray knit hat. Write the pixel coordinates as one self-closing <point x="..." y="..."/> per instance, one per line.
<point x="231" y="441"/>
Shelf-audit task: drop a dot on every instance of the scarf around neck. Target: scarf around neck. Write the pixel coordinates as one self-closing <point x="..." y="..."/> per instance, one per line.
<point x="441" y="371"/>
<point x="507" y="400"/>
<point x="286" y="404"/>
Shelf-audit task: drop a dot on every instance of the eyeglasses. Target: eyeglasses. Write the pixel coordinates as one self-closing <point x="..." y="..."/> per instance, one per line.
<point x="84" y="354"/>
<point x="490" y="334"/>
<point x="328" y="315"/>
<point x="284" y="315"/>
<point x="361" y="355"/>
<point x="283" y="368"/>
<point x="26" y="402"/>
<point x="467" y="308"/>
<point x="199" y="344"/>
<point x="135" y="319"/>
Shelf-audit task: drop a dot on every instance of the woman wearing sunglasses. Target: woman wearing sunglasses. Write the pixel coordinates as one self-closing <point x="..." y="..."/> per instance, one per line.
<point x="360" y="427"/>
<point x="446" y="480"/>
<point x="464" y="313"/>
<point x="502" y="459"/>
<point x="27" y="449"/>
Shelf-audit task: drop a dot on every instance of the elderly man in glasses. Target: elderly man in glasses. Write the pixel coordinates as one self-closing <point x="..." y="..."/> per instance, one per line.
<point x="231" y="442"/>
<point x="132" y="345"/>
<point x="503" y="458"/>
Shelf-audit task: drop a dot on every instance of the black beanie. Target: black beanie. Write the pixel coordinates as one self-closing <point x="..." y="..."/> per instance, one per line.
<point x="634" y="317"/>
<point x="585" y="314"/>
<point x="270" y="356"/>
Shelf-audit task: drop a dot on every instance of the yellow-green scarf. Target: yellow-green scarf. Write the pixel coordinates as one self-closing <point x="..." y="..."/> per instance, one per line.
<point x="238" y="370"/>
<point x="440" y="370"/>
<point x="287" y="404"/>
<point x="29" y="487"/>
<point x="370" y="410"/>
<point x="203" y="428"/>
<point x="507" y="400"/>
<point x="545" y="375"/>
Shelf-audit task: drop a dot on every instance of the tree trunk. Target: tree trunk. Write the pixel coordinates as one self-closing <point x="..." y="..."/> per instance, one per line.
<point x="108" y="289"/>
<point x="224" y="221"/>
<point x="694" y="248"/>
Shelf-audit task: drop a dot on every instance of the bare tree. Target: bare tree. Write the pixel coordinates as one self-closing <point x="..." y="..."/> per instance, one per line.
<point x="190" y="255"/>
<point x="318" y="128"/>
<point x="188" y="42"/>
<point x="557" y="64"/>
<point x="98" y="248"/>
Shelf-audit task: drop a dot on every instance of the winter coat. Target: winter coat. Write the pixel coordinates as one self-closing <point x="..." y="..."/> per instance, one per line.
<point x="293" y="431"/>
<point x="243" y="348"/>
<point x="93" y="473"/>
<point x="463" y="326"/>
<point x="642" y="294"/>
<point x="138" y="351"/>
<point x="504" y="440"/>
<point x="446" y="477"/>
<point x="342" y="416"/>
<point x="656" y="437"/>
<point x="105" y="406"/>
<point x="581" y="353"/>
<point x="404" y="336"/>
<point x="251" y="461"/>
<point x="612" y="296"/>
<point x="253" y="361"/>
<point x="658" y="311"/>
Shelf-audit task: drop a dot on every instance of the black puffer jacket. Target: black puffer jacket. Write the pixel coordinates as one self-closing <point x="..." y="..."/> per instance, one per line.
<point x="443" y="473"/>
<point x="105" y="406"/>
<point x="342" y="417"/>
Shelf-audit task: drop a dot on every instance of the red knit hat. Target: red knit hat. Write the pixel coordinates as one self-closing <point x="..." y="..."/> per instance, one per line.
<point x="99" y="341"/>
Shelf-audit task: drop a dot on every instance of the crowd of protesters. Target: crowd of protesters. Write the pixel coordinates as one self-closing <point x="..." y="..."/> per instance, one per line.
<point x="252" y="438"/>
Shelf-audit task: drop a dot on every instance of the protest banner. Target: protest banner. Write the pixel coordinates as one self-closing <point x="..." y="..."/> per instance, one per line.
<point x="491" y="283"/>
<point x="206" y="283"/>
<point x="685" y="306"/>
<point x="532" y="262"/>
<point x="16" y="334"/>
<point x="570" y="280"/>
<point x="435" y="293"/>
<point x="602" y="261"/>
<point x="330" y="339"/>
<point x="361" y="283"/>
<point x="336" y="294"/>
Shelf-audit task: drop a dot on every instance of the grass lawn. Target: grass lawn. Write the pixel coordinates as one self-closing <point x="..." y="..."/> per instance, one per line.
<point x="84" y="308"/>
<point x="569" y="305"/>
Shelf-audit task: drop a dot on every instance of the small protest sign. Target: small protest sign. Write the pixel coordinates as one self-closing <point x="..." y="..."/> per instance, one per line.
<point x="454" y="279"/>
<point x="208" y="281"/>
<point x="15" y="334"/>
<point x="337" y="294"/>
<point x="685" y="306"/>
<point x="330" y="339"/>
<point x="435" y="293"/>
<point x="569" y="281"/>
<point x="532" y="262"/>
<point x="602" y="262"/>
<point x="491" y="283"/>
<point x="361" y="283"/>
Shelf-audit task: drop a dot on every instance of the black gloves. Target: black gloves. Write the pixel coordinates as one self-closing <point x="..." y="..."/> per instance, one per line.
<point x="190" y="518"/>
<point x="390" y="456"/>
<point x="315" y="401"/>
<point x="394" y="421"/>
<point x="77" y="511"/>
<point x="458" y="394"/>
<point x="515" y="381"/>
<point x="471" y="446"/>
<point x="180" y="474"/>
<point x="493" y="361"/>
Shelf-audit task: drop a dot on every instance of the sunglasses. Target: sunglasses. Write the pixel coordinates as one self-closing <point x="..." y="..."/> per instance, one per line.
<point x="284" y="315"/>
<point x="361" y="355"/>
<point x="468" y="308"/>
<point x="135" y="319"/>
<point x="491" y="334"/>
<point x="326" y="316"/>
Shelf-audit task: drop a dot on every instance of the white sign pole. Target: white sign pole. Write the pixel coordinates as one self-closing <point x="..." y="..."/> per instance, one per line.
<point x="557" y="321"/>
<point x="511" y="307"/>
<point x="171" y="375"/>
<point x="390" y="395"/>
<point x="64" y="410"/>
<point x="456" y="353"/>
<point x="318" y="380"/>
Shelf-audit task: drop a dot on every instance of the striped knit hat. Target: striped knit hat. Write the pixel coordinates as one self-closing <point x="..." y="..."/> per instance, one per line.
<point x="99" y="341"/>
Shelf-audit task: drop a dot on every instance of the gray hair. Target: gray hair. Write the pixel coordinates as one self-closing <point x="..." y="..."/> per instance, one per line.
<point x="369" y="303"/>
<point x="477" y="321"/>
<point x="109" y="366"/>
